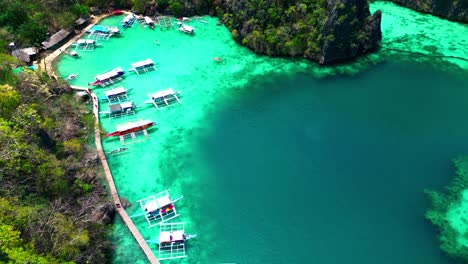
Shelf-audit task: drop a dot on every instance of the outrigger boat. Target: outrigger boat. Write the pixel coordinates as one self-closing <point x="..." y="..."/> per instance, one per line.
<point x="165" y="97"/>
<point x="115" y="94"/>
<point x="128" y="20"/>
<point x="131" y="127"/>
<point x="172" y="238"/>
<point x="149" y="22"/>
<point x="186" y="28"/>
<point x="108" y="77"/>
<point x="85" y="44"/>
<point x="143" y="66"/>
<point x="120" y="109"/>
<point x="159" y="208"/>
<point x="105" y="29"/>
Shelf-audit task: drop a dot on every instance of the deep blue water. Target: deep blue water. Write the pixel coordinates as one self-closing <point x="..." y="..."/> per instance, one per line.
<point x="304" y="170"/>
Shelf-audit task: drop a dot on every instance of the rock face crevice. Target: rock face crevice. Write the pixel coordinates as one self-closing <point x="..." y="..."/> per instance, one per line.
<point x="326" y="31"/>
<point x="451" y="9"/>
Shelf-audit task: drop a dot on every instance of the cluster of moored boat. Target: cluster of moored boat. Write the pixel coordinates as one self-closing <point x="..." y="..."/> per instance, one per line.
<point x="159" y="208"/>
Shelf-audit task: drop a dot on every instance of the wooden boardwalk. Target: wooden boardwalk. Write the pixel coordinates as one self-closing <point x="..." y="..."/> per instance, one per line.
<point x="110" y="180"/>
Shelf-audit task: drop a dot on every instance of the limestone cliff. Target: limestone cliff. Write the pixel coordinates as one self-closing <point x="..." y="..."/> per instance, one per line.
<point x="451" y="9"/>
<point x="326" y="31"/>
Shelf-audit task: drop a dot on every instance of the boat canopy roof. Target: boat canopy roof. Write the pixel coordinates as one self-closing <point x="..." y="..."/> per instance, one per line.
<point x="163" y="93"/>
<point x="143" y="63"/>
<point x="130" y="125"/>
<point x="100" y="28"/>
<point x="126" y="105"/>
<point x="86" y="41"/>
<point x="110" y="74"/>
<point x="148" y="20"/>
<point x="158" y="203"/>
<point x="115" y="92"/>
<point x="171" y="236"/>
<point x="187" y="28"/>
<point x="128" y="18"/>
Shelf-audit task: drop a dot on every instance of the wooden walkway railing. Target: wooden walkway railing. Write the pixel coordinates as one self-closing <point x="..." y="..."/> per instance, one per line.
<point x="110" y="180"/>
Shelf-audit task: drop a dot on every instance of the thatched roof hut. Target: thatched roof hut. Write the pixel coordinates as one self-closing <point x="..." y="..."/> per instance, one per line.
<point x="80" y="23"/>
<point x="55" y="39"/>
<point x="26" y="55"/>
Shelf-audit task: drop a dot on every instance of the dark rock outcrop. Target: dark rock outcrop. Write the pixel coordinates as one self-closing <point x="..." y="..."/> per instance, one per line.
<point x="326" y="31"/>
<point x="349" y="41"/>
<point x="451" y="9"/>
<point x="104" y="213"/>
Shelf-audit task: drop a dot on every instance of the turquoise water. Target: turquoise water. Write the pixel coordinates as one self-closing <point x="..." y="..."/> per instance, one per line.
<point x="279" y="163"/>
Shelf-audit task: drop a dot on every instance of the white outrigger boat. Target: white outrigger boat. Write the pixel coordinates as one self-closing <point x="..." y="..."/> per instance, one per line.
<point x="159" y="208"/>
<point x="164" y="97"/>
<point x="143" y="66"/>
<point x="128" y="20"/>
<point x="186" y="28"/>
<point x="118" y="94"/>
<point x="171" y="242"/>
<point x="120" y="109"/>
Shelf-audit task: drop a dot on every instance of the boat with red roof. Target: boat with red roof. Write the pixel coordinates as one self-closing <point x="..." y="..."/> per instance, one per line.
<point x="131" y="127"/>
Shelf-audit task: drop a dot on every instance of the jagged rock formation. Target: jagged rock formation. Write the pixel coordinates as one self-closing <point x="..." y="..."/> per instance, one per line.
<point x="450" y="9"/>
<point x="326" y="31"/>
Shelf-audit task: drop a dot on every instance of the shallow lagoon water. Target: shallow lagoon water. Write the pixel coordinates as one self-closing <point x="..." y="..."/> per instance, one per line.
<point x="278" y="163"/>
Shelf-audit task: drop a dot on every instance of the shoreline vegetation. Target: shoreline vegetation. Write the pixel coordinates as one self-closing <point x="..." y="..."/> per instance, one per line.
<point x="55" y="208"/>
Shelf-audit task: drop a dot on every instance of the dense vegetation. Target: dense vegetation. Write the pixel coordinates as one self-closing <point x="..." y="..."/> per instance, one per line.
<point x="53" y="207"/>
<point x="442" y="202"/>
<point x="321" y="30"/>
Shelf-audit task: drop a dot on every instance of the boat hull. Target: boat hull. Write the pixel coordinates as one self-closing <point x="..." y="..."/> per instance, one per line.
<point x="130" y="130"/>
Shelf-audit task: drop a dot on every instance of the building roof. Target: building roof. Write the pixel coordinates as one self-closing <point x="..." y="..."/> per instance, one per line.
<point x="24" y="54"/>
<point x="80" y="21"/>
<point x="56" y="38"/>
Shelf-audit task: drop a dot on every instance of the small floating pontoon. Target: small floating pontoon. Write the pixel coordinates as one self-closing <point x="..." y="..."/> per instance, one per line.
<point x="108" y="77"/>
<point x="143" y="66"/>
<point x="172" y="239"/>
<point x="159" y="208"/>
<point x="165" y="97"/>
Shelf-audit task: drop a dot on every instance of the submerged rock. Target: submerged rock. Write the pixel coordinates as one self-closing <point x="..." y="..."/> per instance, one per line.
<point x="451" y="9"/>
